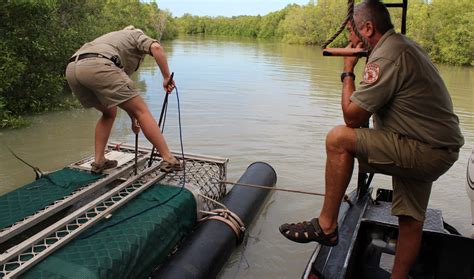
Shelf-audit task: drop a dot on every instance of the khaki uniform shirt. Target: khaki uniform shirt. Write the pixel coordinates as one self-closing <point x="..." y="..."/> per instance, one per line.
<point x="130" y="45"/>
<point x="404" y="90"/>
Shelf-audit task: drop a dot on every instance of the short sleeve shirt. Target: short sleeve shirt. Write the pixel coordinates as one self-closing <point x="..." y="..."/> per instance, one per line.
<point x="130" y="45"/>
<point x="404" y="91"/>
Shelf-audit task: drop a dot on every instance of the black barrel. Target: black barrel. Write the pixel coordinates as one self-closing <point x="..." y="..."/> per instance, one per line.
<point x="208" y="248"/>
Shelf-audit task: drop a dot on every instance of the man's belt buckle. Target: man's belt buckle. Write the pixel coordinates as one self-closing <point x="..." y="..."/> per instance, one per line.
<point x="115" y="59"/>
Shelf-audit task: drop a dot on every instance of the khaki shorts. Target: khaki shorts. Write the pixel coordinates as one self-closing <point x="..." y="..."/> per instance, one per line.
<point x="98" y="81"/>
<point x="413" y="165"/>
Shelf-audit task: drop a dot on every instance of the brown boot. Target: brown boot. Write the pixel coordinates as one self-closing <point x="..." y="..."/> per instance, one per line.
<point x="107" y="164"/>
<point x="171" y="166"/>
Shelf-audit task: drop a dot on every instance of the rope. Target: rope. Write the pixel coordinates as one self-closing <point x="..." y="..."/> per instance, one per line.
<point x="349" y="17"/>
<point x="346" y="197"/>
<point x="272" y="188"/>
<point x="212" y="200"/>
<point x="230" y="219"/>
<point x="233" y="220"/>
<point x="161" y="122"/>
<point x="135" y="166"/>
<point x="38" y="173"/>
<point x="226" y="216"/>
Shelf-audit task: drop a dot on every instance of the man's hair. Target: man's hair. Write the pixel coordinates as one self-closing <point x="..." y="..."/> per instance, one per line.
<point x="130" y="27"/>
<point x="374" y="11"/>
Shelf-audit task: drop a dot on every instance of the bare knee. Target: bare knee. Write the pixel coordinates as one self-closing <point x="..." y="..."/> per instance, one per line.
<point x="139" y="114"/>
<point x="107" y="113"/>
<point x="110" y="113"/>
<point x="135" y="107"/>
<point x="341" y="139"/>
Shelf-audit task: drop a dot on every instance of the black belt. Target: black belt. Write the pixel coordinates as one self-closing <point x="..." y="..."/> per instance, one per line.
<point x="115" y="59"/>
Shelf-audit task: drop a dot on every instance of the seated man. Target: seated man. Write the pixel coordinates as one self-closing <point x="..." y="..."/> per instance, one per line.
<point x="416" y="136"/>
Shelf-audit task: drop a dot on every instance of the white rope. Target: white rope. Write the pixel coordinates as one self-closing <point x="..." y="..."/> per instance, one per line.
<point x="226" y="216"/>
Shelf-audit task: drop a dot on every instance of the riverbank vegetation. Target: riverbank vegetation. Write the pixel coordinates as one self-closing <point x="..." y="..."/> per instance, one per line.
<point x="38" y="36"/>
<point x="442" y="27"/>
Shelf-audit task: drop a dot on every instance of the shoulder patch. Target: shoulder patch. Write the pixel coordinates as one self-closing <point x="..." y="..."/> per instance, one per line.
<point x="371" y="73"/>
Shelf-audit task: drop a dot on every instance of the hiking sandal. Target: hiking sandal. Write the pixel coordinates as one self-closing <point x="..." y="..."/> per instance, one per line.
<point x="308" y="231"/>
<point x="107" y="164"/>
<point x="174" y="165"/>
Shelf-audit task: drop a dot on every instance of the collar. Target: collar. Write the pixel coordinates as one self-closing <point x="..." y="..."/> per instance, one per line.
<point x="383" y="39"/>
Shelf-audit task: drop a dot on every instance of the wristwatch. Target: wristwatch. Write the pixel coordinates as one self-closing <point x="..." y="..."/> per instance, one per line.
<point x="347" y="74"/>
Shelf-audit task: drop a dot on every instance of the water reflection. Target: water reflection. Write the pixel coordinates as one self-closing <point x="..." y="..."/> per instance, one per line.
<point x="249" y="101"/>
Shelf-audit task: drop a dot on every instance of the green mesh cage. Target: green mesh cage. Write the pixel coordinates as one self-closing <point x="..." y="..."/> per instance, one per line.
<point x="23" y="202"/>
<point x="130" y="244"/>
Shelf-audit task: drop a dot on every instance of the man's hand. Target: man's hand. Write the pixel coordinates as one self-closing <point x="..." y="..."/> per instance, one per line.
<point x="168" y="84"/>
<point x="351" y="61"/>
<point x="135" y="126"/>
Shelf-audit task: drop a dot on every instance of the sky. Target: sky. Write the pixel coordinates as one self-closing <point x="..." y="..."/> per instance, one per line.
<point x="224" y="7"/>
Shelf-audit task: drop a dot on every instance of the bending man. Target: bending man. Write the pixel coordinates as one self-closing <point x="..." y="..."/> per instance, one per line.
<point x="98" y="74"/>
<point x="416" y="136"/>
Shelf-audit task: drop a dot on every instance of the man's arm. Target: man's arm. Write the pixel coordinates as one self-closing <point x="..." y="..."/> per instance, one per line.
<point x="354" y="116"/>
<point x="160" y="57"/>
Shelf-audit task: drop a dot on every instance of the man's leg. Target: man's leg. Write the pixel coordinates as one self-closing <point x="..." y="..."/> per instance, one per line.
<point x="408" y="245"/>
<point x="102" y="131"/>
<point x="409" y="202"/>
<point x="137" y="108"/>
<point x="340" y="149"/>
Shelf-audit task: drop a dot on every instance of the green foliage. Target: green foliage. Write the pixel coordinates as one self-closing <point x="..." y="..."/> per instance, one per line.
<point x="452" y="22"/>
<point x="442" y="27"/>
<point x="307" y="24"/>
<point x="11" y="68"/>
<point x="37" y="38"/>
<point x="299" y="25"/>
<point x="247" y="26"/>
<point x="314" y="23"/>
<point x="270" y="24"/>
<point x="7" y="119"/>
<point x="330" y="14"/>
<point x="33" y="63"/>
